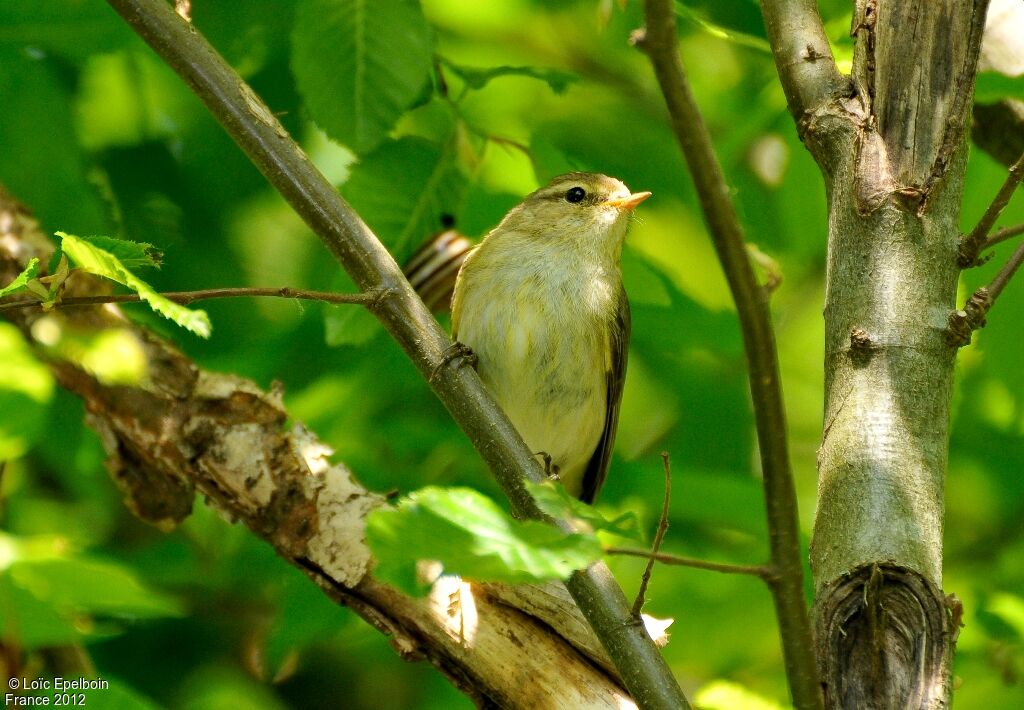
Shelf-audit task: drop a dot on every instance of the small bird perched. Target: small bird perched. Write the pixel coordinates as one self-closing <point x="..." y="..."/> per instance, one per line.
<point x="541" y="305"/>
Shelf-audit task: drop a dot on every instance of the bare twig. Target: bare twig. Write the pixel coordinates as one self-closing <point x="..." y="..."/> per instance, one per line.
<point x="187" y="297"/>
<point x="659" y="537"/>
<point x="1001" y="235"/>
<point x="660" y="41"/>
<point x="972" y="316"/>
<point x="254" y="128"/>
<point x="976" y="241"/>
<point x="765" y="572"/>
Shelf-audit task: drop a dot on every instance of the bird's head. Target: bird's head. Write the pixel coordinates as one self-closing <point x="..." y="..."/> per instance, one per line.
<point x="587" y="209"/>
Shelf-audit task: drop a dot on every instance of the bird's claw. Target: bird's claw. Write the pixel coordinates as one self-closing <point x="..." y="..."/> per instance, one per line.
<point x="455" y="351"/>
<point x="550" y="467"/>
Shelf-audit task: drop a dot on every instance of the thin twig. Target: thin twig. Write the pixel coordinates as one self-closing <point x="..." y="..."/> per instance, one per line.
<point x="187" y="297"/>
<point x="1002" y="235"/>
<point x="660" y="42"/>
<point x="973" y="243"/>
<point x="765" y="572"/>
<point x="973" y="315"/>
<point x="659" y="537"/>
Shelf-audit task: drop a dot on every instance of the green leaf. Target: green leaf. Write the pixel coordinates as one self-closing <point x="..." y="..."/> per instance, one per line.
<point x="360" y="64"/>
<point x="52" y="596"/>
<point x="479" y="77"/>
<point x="556" y="502"/>
<point x="75" y="584"/>
<point x="403" y="189"/>
<point x="132" y="255"/>
<point x="991" y="86"/>
<point x="472" y="537"/>
<point x="21" y="279"/>
<point x="95" y="260"/>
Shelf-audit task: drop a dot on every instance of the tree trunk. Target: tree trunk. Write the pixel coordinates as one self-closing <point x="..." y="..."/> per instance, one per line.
<point x="893" y="153"/>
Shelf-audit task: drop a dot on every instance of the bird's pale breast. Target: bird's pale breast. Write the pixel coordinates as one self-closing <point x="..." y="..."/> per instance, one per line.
<point x="541" y="342"/>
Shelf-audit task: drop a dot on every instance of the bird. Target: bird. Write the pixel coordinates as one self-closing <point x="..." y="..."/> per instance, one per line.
<point x="541" y="306"/>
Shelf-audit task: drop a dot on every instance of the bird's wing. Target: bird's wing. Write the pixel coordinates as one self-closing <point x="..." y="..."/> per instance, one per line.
<point x="458" y="292"/>
<point x="615" y="377"/>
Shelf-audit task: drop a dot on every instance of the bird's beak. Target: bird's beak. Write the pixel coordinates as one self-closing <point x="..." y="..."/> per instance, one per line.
<point x="628" y="203"/>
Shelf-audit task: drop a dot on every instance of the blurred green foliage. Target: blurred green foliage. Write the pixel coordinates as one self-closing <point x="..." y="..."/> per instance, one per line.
<point x="98" y="137"/>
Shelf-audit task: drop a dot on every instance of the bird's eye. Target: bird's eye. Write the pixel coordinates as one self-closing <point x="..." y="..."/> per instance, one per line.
<point x="575" y="195"/>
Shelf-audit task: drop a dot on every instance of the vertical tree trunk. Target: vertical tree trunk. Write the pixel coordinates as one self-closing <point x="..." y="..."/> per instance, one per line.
<point x="894" y="157"/>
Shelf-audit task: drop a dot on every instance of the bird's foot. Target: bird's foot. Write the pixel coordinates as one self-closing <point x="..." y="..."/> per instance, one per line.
<point x="455" y="351"/>
<point x="550" y="467"/>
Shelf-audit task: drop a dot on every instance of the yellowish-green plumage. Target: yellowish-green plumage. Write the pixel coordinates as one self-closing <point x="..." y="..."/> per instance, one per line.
<point x="541" y="304"/>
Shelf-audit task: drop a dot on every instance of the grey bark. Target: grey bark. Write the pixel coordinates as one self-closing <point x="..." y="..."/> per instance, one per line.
<point x="893" y="153"/>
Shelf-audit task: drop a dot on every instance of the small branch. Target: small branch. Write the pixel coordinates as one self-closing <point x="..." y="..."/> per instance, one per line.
<point x="802" y="54"/>
<point x="660" y="42"/>
<point x="972" y="316"/>
<point x="1002" y="235"/>
<point x="659" y="537"/>
<point x="976" y="241"/>
<point x="187" y="297"/>
<point x="767" y="573"/>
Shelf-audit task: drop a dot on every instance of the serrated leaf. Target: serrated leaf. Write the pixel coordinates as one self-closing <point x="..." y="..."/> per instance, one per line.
<point x="132" y="255"/>
<point x="95" y="260"/>
<point x="22" y="279"/>
<point x="472" y="537"/>
<point x="479" y="77"/>
<point x="555" y="501"/>
<point x="360" y="64"/>
<point x="403" y="189"/>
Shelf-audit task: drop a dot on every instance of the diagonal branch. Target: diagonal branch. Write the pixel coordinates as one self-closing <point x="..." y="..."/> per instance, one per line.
<point x="252" y="125"/>
<point x="660" y="42"/>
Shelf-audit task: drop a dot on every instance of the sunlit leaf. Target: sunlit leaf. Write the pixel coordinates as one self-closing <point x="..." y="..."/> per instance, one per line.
<point x="360" y="64"/>
<point x="95" y="260"/>
<point x="21" y="279"/>
<point x="471" y="537"/>
<point x="132" y="255"/>
<point x="555" y="501"/>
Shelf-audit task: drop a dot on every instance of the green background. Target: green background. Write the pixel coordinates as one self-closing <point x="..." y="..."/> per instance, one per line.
<point x="98" y="137"/>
